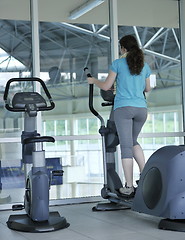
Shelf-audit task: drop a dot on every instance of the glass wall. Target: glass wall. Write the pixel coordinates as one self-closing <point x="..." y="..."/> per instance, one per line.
<point x="65" y="49"/>
<point x="15" y="62"/>
<point x="62" y="59"/>
<point x="68" y="49"/>
<point x="164" y="121"/>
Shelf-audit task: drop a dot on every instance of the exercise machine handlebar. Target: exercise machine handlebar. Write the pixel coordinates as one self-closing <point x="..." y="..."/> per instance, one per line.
<point x="38" y="139"/>
<point x="91" y="104"/>
<point x="103" y="129"/>
<point x="22" y="109"/>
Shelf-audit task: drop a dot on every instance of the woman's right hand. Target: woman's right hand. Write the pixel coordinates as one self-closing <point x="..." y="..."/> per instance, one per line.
<point x="90" y="80"/>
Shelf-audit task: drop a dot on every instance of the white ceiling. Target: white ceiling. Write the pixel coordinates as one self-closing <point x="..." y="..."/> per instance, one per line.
<point x="151" y="13"/>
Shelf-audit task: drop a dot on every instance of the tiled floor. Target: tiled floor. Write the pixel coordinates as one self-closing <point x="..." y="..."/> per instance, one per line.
<point x="88" y="225"/>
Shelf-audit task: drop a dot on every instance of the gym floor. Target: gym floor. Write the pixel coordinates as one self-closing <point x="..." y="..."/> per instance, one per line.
<point x="88" y="225"/>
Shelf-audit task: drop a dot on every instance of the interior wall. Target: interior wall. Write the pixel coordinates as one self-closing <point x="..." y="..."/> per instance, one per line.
<point x="148" y="13"/>
<point x="151" y="13"/>
<point x="15" y="10"/>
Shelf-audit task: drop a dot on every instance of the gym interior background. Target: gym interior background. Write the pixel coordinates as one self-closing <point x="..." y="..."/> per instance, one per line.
<point x="40" y="39"/>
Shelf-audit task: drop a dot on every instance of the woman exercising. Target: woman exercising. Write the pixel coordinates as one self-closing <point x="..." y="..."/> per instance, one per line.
<point x="131" y="74"/>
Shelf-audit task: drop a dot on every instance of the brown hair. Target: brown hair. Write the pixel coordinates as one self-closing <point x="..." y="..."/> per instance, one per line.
<point x="135" y="57"/>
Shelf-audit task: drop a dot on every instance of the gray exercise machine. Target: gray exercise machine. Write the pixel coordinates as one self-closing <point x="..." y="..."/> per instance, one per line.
<point x="38" y="218"/>
<point x="161" y="187"/>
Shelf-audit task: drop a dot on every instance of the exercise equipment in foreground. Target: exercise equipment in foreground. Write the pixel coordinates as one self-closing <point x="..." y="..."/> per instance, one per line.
<point x="37" y="182"/>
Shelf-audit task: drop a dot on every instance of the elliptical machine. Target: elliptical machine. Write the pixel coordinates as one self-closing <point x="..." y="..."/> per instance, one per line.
<point x="37" y="183"/>
<point x="110" y="141"/>
<point x="161" y="187"/>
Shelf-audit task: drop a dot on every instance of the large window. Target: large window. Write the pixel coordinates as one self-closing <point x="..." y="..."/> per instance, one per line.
<point x="65" y="49"/>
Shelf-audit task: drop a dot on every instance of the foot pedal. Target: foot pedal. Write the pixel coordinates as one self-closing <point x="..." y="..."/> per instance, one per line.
<point x="17" y="207"/>
<point x="125" y="196"/>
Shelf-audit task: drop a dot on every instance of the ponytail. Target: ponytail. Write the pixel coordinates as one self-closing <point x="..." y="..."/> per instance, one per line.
<point x="135" y="57"/>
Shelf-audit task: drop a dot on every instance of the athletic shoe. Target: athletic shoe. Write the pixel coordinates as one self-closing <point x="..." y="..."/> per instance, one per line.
<point x="127" y="192"/>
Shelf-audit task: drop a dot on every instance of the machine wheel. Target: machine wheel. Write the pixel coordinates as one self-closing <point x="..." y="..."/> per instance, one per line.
<point x="104" y="192"/>
<point x="27" y="197"/>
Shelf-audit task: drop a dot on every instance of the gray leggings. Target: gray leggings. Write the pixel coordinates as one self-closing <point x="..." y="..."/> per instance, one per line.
<point x="129" y="121"/>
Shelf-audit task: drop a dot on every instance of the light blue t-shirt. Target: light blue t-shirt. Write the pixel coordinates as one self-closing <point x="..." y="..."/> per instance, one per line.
<point x="129" y="88"/>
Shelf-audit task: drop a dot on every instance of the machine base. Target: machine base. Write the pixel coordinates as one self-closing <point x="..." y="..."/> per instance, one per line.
<point x="173" y="225"/>
<point x="23" y="223"/>
<point x="109" y="207"/>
